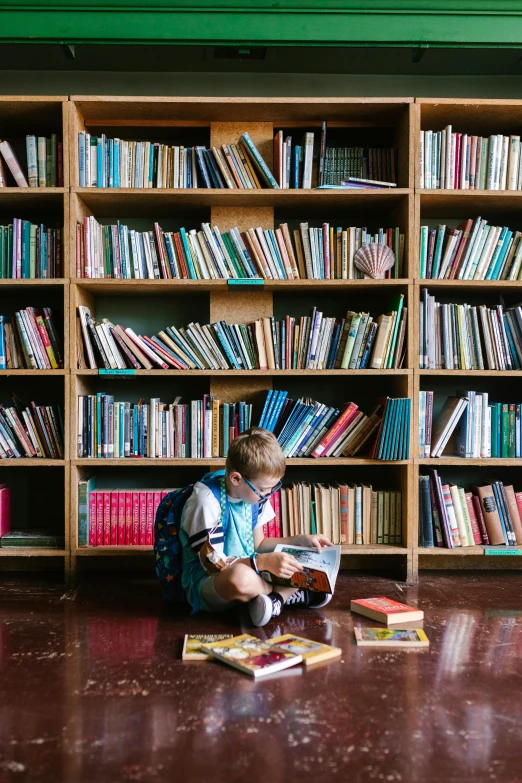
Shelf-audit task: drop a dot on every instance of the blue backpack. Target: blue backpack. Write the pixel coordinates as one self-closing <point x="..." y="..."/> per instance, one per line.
<point x="167" y="545"/>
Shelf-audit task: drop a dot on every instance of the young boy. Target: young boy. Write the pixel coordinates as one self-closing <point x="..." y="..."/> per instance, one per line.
<point x="254" y="469"/>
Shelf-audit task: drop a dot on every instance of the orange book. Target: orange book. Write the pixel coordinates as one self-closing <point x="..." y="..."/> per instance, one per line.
<point x="386" y="610"/>
<point x="336" y="430"/>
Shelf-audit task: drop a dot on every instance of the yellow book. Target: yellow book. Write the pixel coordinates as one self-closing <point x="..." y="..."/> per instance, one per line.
<point x="251" y="655"/>
<point x="390" y="637"/>
<point x="192" y="645"/>
<point x="310" y="651"/>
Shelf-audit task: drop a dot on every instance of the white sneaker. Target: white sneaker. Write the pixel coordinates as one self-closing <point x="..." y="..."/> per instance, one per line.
<point x="263" y="608"/>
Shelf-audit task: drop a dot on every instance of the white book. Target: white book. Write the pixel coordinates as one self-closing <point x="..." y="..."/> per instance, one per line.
<point x="504" y="154"/>
<point x="463" y="533"/>
<point x="308" y="143"/>
<point x="447" y="157"/>
<point x="428" y="143"/>
<point x="32" y="161"/>
<point x="106" y="348"/>
<point x="513" y="162"/>
<point x="84" y="314"/>
<point x="442" y="159"/>
<point x="487" y="252"/>
<point x="497" y="162"/>
<point x="106" y="326"/>
<point x="464" y="183"/>
<point x="42" y="162"/>
<point x="490" y="178"/>
<point x="453" y="153"/>
<point x="421" y="167"/>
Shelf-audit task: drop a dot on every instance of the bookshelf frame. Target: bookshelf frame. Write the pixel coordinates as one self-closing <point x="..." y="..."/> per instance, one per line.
<point x="226" y="118"/>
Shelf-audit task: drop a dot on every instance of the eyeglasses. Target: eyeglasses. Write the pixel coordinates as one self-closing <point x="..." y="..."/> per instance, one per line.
<point x="262" y="497"/>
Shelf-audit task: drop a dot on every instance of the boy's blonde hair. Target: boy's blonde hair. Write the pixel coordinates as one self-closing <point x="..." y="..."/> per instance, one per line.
<point x="256" y="453"/>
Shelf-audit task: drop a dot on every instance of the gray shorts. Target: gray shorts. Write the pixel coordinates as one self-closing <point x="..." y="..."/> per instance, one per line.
<point x="211" y="601"/>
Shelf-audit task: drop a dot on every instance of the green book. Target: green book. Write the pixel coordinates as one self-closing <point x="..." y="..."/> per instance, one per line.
<point x="85" y="487"/>
<point x="494" y="430"/>
<point x="397" y="306"/>
<point x="512" y="431"/>
<point x="32" y="538"/>
<point x="441" y="233"/>
<point x="26" y="249"/>
<point x="32" y="250"/>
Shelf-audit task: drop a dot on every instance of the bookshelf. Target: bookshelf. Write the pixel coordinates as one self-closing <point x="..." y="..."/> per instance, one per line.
<point x="156" y="303"/>
<point x="480" y="117"/>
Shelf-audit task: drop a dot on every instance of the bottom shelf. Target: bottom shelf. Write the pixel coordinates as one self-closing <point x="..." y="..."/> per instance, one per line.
<point x="35" y="551"/>
<point x="466" y="551"/>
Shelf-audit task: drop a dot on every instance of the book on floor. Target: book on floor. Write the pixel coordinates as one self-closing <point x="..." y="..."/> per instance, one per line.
<point x="319" y="568"/>
<point x="251" y="656"/>
<point x="192" y="645"/>
<point x="390" y="637"/>
<point x="386" y="610"/>
<point x="311" y="652"/>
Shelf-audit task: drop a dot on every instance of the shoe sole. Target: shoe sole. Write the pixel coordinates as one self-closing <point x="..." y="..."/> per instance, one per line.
<point x="326" y="601"/>
<point x="260" y="610"/>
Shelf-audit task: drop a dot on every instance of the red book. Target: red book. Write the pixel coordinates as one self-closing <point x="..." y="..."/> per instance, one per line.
<point x="93" y="537"/>
<point x="135" y="518"/>
<point x="336" y="430"/>
<point x="121" y="518"/>
<point x="106" y="518"/>
<point x="114" y="518"/>
<point x="156" y="500"/>
<point x="128" y="518"/>
<point x="181" y="256"/>
<point x="277" y="510"/>
<point x="5" y="509"/>
<point x="164" y="493"/>
<point x="99" y="518"/>
<point x="344" y="513"/>
<point x="386" y="610"/>
<point x="143" y="517"/>
<point x="480" y="519"/>
<point x="477" y="538"/>
<point x="458" y="143"/>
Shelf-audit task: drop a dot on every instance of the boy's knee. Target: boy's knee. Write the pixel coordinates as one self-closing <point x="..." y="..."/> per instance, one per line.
<point x="244" y="582"/>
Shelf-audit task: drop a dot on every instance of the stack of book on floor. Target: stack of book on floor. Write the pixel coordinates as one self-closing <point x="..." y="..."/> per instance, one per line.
<point x="312" y="162"/>
<point x="44" y="163"/>
<point x="305" y="427"/>
<point x="116" y="517"/>
<point x="314" y="342"/>
<point x="461" y="161"/>
<point x="473" y="251"/>
<point x="464" y="337"/>
<point x="30" y="251"/>
<point x="29" y="340"/>
<point x="31" y="431"/>
<point x="323" y="253"/>
<point x="450" y="517"/>
<point x="201" y="428"/>
<point x="115" y="163"/>
<point x="344" y="513"/>
<point x="480" y="428"/>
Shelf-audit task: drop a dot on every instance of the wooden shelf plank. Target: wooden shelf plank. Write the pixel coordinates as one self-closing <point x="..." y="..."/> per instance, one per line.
<point x="458" y="551"/>
<point x="486" y="462"/>
<point x="96" y="286"/>
<point x="137" y="462"/>
<point x="8" y="281"/>
<point x="34" y="551"/>
<point x="247" y="373"/>
<point x="34" y="372"/>
<point x="371" y="549"/>
<point x="493" y="373"/>
<point x="32" y="462"/>
<point x="471" y="284"/>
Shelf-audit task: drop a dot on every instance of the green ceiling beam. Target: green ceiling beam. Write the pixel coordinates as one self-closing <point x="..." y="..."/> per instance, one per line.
<point x="454" y="23"/>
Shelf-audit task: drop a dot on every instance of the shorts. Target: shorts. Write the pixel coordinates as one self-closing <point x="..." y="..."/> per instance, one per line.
<point x="210" y="600"/>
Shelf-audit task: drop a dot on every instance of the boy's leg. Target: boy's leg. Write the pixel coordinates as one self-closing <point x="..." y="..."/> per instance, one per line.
<point x="241" y="583"/>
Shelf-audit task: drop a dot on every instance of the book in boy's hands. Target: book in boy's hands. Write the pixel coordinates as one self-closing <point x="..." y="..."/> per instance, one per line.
<point x="251" y="655"/>
<point x="390" y="637"/>
<point x="310" y="651"/>
<point x="319" y="568"/>
<point x="192" y="645"/>
<point x="386" y="610"/>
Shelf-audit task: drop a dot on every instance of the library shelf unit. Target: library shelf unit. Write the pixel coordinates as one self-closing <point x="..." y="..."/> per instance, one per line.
<point x="154" y="304"/>
<point x="450" y="207"/>
<point x="39" y="487"/>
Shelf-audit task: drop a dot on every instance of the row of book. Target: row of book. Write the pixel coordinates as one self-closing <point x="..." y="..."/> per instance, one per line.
<point x="154" y="429"/>
<point x="473" y="251"/>
<point x="480" y="428"/>
<point x="29" y="340"/>
<point x="305" y="427"/>
<point x="451" y="517"/>
<point x="323" y="253"/>
<point x="460" y="161"/>
<point x="314" y="342"/>
<point x="345" y="513"/>
<point x="30" y="430"/>
<point x="466" y="337"/>
<point x="116" y="517"/>
<point x="28" y="250"/>
<point x="44" y="164"/>
<point x="115" y="163"/>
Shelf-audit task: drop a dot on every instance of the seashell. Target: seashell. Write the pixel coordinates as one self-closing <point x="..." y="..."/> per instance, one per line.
<point x="374" y="260"/>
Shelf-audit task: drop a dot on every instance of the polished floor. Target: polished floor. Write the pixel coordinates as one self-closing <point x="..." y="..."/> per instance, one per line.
<point x="92" y="689"/>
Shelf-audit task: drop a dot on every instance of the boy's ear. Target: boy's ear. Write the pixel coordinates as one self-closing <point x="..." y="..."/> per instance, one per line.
<point x="235" y="477"/>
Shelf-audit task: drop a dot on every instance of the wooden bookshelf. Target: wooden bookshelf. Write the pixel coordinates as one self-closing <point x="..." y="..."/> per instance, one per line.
<point x="218" y="120"/>
<point x="481" y="117"/>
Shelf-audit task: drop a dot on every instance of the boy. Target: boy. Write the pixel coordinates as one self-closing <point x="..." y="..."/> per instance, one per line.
<point x="254" y="469"/>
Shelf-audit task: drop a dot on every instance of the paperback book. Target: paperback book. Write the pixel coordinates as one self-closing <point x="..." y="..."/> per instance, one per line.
<point x="386" y="610"/>
<point x="311" y="652"/>
<point x="192" y="645"/>
<point x="390" y="637"/>
<point x="319" y="568"/>
<point x="251" y="656"/>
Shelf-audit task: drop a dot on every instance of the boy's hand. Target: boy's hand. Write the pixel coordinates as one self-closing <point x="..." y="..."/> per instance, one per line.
<point x="318" y="541"/>
<point x="279" y="564"/>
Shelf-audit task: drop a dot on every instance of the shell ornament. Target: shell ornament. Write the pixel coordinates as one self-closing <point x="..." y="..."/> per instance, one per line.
<point x="374" y="260"/>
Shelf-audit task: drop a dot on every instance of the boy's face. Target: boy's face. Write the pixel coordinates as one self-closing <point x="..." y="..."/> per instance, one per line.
<point x="239" y="487"/>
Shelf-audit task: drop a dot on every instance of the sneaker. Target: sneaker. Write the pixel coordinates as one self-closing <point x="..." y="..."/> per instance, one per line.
<point x="308" y="599"/>
<point x="263" y="608"/>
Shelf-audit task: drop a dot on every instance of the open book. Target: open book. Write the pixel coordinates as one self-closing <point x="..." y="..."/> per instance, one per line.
<point x="320" y="568"/>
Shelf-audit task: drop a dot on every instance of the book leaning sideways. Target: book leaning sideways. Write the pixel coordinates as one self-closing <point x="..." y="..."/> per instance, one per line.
<point x="319" y="568"/>
<point x="251" y="655"/>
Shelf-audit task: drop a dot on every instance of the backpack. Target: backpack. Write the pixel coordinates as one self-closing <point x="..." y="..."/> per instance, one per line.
<point x="167" y="525"/>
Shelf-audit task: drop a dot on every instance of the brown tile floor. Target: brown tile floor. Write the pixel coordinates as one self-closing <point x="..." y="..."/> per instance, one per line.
<point x="92" y="689"/>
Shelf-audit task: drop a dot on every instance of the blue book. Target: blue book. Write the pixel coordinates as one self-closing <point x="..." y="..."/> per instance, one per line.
<point x="226" y="427"/>
<point x="500" y="509"/>
<point x="242" y="427"/>
<point x="188" y="255"/>
<point x="324" y="421"/>
<point x="3" y="361"/>
<point x="117" y="149"/>
<point x="406" y="449"/>
<point x="203" y="166"/>
<point x="512" y="349"/>
<point x="223" y="341"/>
<point x="272" y="241"/>
<point x="312" y="427"/>
<point x="259" y="163"/>
<point x="188" y="167"/>
<point x="299" y="429"/>
<point x="266" y="407"/>
<point x="295" y="166"/>
<point x="438" y="252"/>
<point x="394" y="430"/>
<point x="298" y="411"/>
<point x="99" y="162"/>
<point x="490" y="272"/>
<point x="276" y="411"/>
<point x="333" y="348"/>
<point x="81" y="159"/>
<point x="111" y="163"/>
<point x="385" y="427"/>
